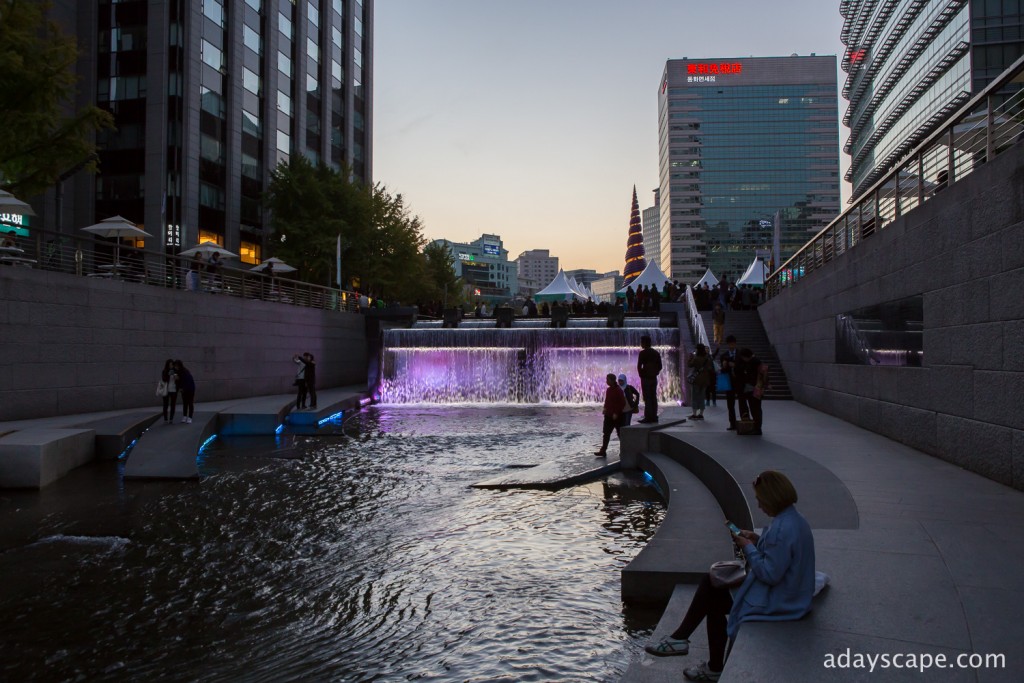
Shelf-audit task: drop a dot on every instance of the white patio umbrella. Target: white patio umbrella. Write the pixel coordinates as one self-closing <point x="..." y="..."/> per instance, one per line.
<point x="207" y="249"/>
<point x="11" y="204"/>
<point x="117" y="227"/>
<point x="279" y="266"/>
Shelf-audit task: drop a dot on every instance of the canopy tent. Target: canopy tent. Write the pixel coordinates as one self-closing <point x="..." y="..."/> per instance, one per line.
<point x="708" y="278"/>
<point x="580" y="289"/>
<point x="755" y="274"/>
<point x="560" y="289"/>
<point x="652" y="277"/>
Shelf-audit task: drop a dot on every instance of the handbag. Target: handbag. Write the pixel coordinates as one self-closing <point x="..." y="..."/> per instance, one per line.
<point x="161" y="388"/>
<point x="727" y="573"/>
<point x="723" y="383"/>
<point x="758" y="392"/>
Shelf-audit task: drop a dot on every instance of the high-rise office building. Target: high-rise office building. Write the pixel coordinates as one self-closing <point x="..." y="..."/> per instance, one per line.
<point x="208" y="96"/>
<point x="739" y="140"/>
<point x="483" y="263"/>
<point x="910" y="64"/>
<point x="652" y="230"/>
<point x="537" y="267"/>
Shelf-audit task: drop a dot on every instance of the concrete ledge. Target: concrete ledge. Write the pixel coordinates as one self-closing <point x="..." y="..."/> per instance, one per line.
<point x="328" y="406"/>
<point x="33" y="458"/>
<point x="690" y="538"/>
<point x="170" y="451"/>
<point x="115" y="434"/>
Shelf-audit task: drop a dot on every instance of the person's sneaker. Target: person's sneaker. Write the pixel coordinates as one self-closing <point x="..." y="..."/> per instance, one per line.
<point x="188" y="420"/>
<point x="697" y="417"/>
<point x="731" y="428"/>
<point x="701" y="673"/>
<point x="669" y="647"/>
<point x="601" y="454"/>
<point x="184" y="420"/>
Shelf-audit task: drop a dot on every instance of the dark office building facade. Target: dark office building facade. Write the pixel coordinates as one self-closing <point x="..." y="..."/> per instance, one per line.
<point x="741" y="139"/>
<point x="208" y="97"/>
<point x="912" y="63"/>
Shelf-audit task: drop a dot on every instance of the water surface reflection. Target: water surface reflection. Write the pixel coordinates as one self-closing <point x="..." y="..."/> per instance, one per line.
<point x="362" y="555"/>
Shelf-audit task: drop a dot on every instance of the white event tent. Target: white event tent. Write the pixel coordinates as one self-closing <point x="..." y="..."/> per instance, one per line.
<point x="560" y="289"/>
<point x="708" y="278"/>
<point x="652" y="277"/>
<point x="754" y="274"/>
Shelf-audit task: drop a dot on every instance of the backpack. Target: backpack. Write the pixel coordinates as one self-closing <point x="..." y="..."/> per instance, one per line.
<point x="632" y="398"/>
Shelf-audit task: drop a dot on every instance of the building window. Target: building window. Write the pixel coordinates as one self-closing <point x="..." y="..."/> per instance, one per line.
<point x="252" y="40"/>
<point x="211" y="196"/>
<point x="251" y="82"/>
<point x="255" y="4"/>
<point x="214" y="11"/>
<point x="284" y="64"/>
<point x="212" y="55"/>
<point x="249" y="252"/>
<point x="284" y="143"/>
<point x="207" y="236"/>
<point x="284" y="103"/>
<point x="251" y="124"/>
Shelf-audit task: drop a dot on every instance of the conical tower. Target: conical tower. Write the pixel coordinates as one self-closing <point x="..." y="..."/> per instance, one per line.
<point x="635" y="261"/>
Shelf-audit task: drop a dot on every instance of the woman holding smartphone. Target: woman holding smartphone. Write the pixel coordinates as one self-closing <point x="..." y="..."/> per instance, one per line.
<point x="778" y="587"/>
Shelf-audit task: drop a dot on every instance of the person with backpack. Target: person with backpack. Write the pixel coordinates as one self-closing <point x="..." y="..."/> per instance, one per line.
<point x="632" y="401"/>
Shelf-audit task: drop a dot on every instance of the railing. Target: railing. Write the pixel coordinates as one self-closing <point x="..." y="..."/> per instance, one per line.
<point x="696" y="322"/>
<point x="990" y="123"/>
<point x="101" y="258"/>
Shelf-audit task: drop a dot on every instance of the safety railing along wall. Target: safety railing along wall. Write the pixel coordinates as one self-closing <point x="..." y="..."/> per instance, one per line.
<point x="700" y="334"/>
<point x="987" y="125"/>
<point x="106" y="259"/>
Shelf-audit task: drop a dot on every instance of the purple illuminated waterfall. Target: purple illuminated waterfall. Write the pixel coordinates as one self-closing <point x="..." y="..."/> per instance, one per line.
<point x="528" y="363"/>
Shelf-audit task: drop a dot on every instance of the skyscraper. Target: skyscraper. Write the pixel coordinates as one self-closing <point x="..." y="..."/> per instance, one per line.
<point x="739" y="140"/>
<point x="910" y="64"/>
<point x="208" y="97"/>
<point x="652" y="230"/>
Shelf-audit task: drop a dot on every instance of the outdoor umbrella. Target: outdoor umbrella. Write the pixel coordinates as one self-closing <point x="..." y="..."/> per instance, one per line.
<point x="11" y="204"/>
<point x="207" y="249"/>
<point x="116" y="227"/>
<point x="279" y="266"/>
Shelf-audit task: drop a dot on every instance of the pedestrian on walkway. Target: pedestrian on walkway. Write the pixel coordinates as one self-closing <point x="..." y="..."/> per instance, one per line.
<point x="310" y="377"/>
<point x="700" y="374"/>
<point x="301" y="390"/>
<point x="648" y="366"/>
<point x="169" y="380"/>
<point x="614" y="404"/>
<point x="187" y="386"/>
<point x="718" y="322"/>
<point x="632" y="400"/>
<point x="729" y="358"/>
<point x="752" y="376"/>
<point x="778" y="587"/>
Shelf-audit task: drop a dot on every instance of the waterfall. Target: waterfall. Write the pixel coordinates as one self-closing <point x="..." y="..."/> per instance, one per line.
<point x="528" y="363"/>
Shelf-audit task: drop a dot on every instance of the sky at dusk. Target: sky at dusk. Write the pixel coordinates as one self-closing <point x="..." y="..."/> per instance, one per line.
<point x="533" y="120"/>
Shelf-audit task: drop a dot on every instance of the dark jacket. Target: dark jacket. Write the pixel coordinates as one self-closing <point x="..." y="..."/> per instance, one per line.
<point x="185" y="381"/>
<point x="648" y="364"/>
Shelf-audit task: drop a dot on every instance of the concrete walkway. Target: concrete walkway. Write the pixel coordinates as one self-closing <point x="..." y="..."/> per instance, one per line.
<point x="925" y="557"/>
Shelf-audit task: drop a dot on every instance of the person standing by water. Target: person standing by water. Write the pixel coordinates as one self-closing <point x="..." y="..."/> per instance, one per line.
<point x="310" y="363"/>
<point x="632" y="400"/>
<point x="187" y="386"/>
<point x="614" y="404"/>
<point x="648" y="366"/>
<point x="301" y="389"/>
<point x="729" y="358"/>
<point x="169" y="379"/>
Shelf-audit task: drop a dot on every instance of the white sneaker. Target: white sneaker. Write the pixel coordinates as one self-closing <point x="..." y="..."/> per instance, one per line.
<point x="184" y="420"/>
<point x="189" y="420"/>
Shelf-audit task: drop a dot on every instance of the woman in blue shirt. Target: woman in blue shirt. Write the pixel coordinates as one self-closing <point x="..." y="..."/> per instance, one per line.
<point x="778" y="587"/>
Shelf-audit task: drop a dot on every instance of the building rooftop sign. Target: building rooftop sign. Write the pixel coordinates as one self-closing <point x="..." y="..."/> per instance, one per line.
<point x="714" y="68"/>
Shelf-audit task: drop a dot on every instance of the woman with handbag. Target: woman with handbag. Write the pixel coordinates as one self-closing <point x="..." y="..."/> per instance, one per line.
<point x="778" y="586"/>
<point x="700" y="376"/>
<point x="167" y="389"/>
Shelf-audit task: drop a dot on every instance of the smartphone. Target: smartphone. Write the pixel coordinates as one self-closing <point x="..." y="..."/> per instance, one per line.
<point x="735" y="530"/>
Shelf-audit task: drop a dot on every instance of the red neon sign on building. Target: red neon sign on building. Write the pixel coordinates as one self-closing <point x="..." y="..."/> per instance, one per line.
<point x="714" y="68"/>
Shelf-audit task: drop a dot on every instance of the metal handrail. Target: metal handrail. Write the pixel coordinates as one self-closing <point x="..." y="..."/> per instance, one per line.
<point x="99" y="258"/>
<point x="696" y="322"/>
<point x="987" y="125"/>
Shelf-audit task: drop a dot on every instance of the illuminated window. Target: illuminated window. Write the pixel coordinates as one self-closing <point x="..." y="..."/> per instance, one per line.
<point x="249" y="252"/>
<point x="207" y="236"/>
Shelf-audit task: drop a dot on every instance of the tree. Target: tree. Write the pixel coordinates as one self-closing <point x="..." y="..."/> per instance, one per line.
<point x="441" y="283"/>
<point x="39" y="140"/>
<point x="381" y="241"/>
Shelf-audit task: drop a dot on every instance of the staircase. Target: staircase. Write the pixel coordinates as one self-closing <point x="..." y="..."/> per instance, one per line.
<point x="749" y="332"/>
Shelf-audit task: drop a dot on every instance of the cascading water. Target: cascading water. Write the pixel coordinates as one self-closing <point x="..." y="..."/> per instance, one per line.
<point x="528" y="363"/>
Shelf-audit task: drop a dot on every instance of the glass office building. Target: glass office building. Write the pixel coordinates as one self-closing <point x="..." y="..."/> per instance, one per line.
<point x="912" y="63"/>
<point x="741" y="140"/>
<point x="208" y="96"/>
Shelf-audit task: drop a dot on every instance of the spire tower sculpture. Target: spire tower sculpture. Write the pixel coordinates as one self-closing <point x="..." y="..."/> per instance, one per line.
<point x="635" y="261"/>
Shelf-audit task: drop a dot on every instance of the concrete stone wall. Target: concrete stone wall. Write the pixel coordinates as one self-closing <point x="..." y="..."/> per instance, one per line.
<point x="963" y="251"/>
<point x="75" y="345"/>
